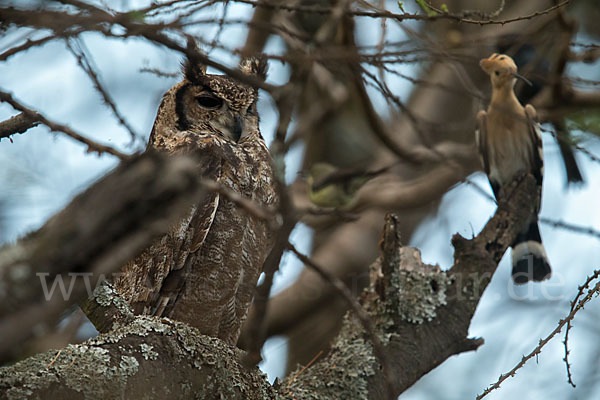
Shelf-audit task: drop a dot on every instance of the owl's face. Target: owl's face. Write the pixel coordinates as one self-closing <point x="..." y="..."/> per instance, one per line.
<point x="208" y="104"/>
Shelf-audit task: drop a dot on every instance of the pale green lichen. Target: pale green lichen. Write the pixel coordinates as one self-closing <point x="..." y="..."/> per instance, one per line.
<point x="419" y="288"/>
<point x="147" y="352"/>
<point x="95" y="372"/>
<point x="86" y="369"/>
<point x="350" y="365"/>
<point x="129" y="365"/>
<point x="106" y="296"/>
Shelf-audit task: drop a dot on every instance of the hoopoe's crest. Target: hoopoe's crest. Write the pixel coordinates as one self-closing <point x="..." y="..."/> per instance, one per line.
<point x="510" y="143"/>
<point x="502" y="69"/>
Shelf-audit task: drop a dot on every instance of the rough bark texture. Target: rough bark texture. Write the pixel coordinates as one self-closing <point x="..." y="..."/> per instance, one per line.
<point x="149" y="358"/>
<point x="92" y="237"/>
<point x="422" y="315"/>
<point x="445" y="108"/>
<point x="17" y="124"/>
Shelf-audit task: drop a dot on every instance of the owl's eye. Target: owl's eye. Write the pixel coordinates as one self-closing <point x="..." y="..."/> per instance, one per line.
<point x="497" y="73"/>
<point x="209" y="102"/>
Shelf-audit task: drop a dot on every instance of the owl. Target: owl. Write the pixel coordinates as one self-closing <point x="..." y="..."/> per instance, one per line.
<point x="204" y="270"/>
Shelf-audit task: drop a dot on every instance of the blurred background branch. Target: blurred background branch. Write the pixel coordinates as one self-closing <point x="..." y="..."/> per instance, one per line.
<point x="359" y="85"/>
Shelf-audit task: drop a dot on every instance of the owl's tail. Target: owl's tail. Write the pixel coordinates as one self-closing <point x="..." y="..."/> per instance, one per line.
<point x="530" y="262"/>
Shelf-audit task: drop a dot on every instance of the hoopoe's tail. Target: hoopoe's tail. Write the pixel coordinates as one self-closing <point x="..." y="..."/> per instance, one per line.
<point x="530" y="262"/>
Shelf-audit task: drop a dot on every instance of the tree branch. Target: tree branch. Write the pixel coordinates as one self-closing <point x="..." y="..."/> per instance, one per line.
<point x="148" y="356"/>
<point x="100" y="230"/>
<point x="33" y="115"/>
<point x="17" y="124"/>
<point x="420" y="313"/>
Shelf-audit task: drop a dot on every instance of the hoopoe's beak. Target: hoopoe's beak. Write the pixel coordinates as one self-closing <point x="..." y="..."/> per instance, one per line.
<point x="521" y="77"/>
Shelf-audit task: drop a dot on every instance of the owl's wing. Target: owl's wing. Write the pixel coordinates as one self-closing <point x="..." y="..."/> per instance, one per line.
<point x="152" y="281"/>
<point x="193" y="231"/>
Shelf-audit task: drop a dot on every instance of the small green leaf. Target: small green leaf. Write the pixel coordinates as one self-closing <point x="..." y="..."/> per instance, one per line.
<point x="444" y="8"/>
<point x="425" y="7"/>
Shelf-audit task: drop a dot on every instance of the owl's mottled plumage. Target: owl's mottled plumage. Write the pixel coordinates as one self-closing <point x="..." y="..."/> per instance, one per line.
<point x="204" y="271"/>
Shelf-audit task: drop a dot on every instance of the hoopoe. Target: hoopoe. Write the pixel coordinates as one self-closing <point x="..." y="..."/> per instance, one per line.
<point x="510" y="143"/>
<point x="527" y="55"/>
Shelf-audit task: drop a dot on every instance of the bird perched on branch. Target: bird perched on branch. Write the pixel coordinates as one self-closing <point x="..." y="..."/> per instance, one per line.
<point x="526" y="55"/>
<point x="510" y="144"/>
<point x="204" y="271"/>
<point x="331" y="187"/>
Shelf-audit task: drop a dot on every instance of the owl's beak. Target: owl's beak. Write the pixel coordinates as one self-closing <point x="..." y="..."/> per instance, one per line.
<point x="238" y="126"/>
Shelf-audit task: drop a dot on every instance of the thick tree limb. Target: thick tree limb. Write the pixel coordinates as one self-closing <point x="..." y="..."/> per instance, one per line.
<point x="93" y="236"/>
<point x="421" y="314"/>
<point x="149" y="358"/>
<point x="446" y="107"/>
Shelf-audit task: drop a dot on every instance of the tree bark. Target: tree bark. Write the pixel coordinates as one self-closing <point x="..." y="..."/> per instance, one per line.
<point x="422" y="316"/>
<point x="100" y="230"/>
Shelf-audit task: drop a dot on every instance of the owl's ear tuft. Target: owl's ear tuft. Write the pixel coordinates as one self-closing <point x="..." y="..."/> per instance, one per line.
<point x="255" y="65"/>
<point x="193" y="69"/>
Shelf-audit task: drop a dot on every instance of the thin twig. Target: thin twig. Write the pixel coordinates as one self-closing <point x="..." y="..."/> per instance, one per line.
<point x="582" y="149"/>
<point x="573" y="305"/>
<point x="54" y="359"/>
<point x="543" y="342"/>
<point x="571" y="227"/>
<point x="404" y="16"/>
<point x="25" y="46"/>
<point x="159" y="73"/>
<point x="311" y="362"/>
<point x="360" y="313"/>
<point x="92" y="146"/>
<point x="256" y="326"/>
<point x="248" y="205"/>
<point x="85" y="63"/>
<point x="17" y="124"/>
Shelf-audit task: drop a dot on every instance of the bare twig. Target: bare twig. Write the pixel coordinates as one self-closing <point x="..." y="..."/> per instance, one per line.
<point x="580" y="290"/>
<point x="582" y="149"/>
<point x="571" y="227"/>
<point x="256" y="327"/>
<point x="17" y="124"/>
<point x="308" y="364"/>
<point x="159" y="73"/>
<point x="360" y="313"/>
<point x="85" y="63"/>
<point x="92" y="146"/>
<point x="250" y="206"/>
<point x="405" y="16"/>
<point x="27" y="45"/>
<point x="574" y="309"/>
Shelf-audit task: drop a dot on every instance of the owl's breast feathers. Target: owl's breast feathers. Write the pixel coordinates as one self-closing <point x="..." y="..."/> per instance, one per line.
<point x="204" y="271"/>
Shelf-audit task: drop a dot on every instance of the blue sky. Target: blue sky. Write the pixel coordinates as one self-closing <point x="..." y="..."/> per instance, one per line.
<point x="42" y="171"/>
